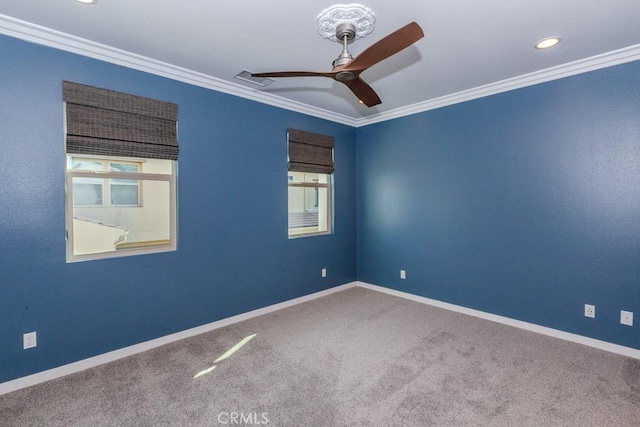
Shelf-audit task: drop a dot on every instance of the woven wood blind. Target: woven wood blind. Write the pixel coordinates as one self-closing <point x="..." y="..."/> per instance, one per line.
<point x="310" y="152"/>
<point x="104" y="122"/>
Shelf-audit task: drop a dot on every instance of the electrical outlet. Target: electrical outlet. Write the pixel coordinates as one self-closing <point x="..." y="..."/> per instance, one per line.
<point x="29" y="340"/>
<point x="324" y="272"/>
<point x="626" y="318"/>
<point x="403" y="274"/>
<point x="590" y="311"/>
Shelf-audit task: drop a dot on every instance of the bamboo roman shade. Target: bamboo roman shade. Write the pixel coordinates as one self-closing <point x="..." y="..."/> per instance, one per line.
<point x="104" y="122"/>
<point x="310" y="152"/>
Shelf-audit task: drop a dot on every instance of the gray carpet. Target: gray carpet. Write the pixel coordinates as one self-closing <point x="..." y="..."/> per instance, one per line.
<point x="357" y="357"/>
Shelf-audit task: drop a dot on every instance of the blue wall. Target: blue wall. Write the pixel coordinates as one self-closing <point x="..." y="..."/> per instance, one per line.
<point x="524" y="204"/>
<point x="233" y="252"/>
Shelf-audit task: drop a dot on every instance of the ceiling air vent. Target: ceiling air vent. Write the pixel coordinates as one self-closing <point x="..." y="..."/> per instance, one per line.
<point x="247" y="77"/>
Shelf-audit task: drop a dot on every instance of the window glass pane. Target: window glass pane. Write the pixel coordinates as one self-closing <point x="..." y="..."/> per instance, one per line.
<point x="309" y="203"/>
<point x="87" y="191"/>
<point x="302" y="177"/>
<point x="111" y="228"/>
<point x="324" y="214"/>
<point x="124" y="192"/>
<point x="77" y="163"/>
<point x="123" y="167"/>
<point x="302" y="213"/>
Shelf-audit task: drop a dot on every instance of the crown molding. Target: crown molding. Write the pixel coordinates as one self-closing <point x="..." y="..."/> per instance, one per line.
<point x="620" y="56"/>
<point x="69" y="43"/>
<point x="66" y="42"/>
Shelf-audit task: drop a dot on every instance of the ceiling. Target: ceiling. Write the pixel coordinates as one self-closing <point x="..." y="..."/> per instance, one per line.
<point x="471" y="48"/>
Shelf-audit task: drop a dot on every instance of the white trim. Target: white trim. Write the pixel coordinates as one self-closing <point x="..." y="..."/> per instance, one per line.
<point x="66" y="42"/>
<point x="555" y="333"/>
<point x="609" y="59"/>
<point x="101" y="359"/>
<point x="51" y="38"/>
<point x="111" y="356"/>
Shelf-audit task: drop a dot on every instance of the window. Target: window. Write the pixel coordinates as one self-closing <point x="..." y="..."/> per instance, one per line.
<point x="120" y="173"/>
<point x="309" y="203"/>
<point x="91" y="192"/>
<point x="110" y="214"/>
<point x="310" y="182"/>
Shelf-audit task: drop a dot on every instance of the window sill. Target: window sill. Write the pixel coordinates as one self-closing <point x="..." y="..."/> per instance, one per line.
<point x="297" y="235"/>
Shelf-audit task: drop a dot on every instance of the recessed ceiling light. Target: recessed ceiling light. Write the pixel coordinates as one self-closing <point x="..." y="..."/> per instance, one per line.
<point x="547" y="42"/>
<point x="87" y="1"/>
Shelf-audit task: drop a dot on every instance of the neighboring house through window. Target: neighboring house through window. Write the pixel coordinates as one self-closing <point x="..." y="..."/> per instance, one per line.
<point x="121" y="169"/>
<point x="91" y="192"/>
<point x="310" y="181"/>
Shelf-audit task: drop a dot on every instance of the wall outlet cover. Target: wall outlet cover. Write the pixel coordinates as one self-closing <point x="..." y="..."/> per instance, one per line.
<point x="29" y="340"/>
<point x="626" y="318"/>
<point x="590" y="311"/>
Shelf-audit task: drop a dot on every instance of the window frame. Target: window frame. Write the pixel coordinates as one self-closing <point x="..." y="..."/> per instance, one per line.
<point x="329" y="209"/>
<point x="108" y="175"/>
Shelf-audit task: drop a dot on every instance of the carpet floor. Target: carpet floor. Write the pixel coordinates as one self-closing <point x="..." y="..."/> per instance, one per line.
<point x="353" y="358"/>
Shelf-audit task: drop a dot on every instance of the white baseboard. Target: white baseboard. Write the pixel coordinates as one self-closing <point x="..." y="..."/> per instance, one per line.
<point x="579" y="339"/>
<point x="111" y="356"/>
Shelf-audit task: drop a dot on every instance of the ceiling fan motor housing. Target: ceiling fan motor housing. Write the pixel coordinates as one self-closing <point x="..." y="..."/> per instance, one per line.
<point x="346" y="29"/>
<point x="342" y="60"/>
<point x="345" y="76"/>
<point x="345" y="33"/>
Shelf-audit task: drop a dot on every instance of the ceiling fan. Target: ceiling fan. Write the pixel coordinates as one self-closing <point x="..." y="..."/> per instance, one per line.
<point x="347" y="69"/>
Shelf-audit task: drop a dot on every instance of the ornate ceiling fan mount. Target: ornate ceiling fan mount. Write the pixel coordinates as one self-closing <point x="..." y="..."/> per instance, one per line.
<point x="360" y="17"/>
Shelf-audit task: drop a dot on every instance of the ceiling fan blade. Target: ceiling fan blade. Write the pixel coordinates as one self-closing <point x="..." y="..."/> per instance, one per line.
<point x="294" y="74"/>
<point x="364" y="92"/>
<point x="349" y="74"/>
<point x="384" y="48"/>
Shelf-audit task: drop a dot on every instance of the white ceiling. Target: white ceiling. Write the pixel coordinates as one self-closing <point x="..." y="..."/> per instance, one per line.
<point x="470" y="47"/>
